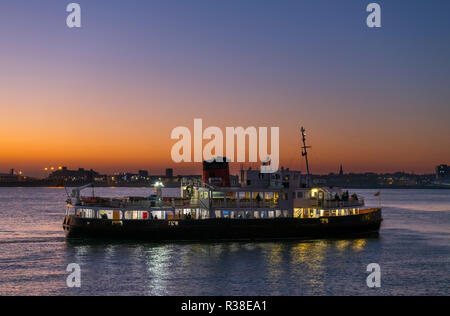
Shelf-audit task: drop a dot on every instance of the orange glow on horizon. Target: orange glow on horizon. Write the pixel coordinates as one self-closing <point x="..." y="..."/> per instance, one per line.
<point x="149" y="148"/>
<point x="130" y="130"/>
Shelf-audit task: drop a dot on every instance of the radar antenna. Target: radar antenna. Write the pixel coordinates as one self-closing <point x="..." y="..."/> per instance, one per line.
<point x="305" y="154"/>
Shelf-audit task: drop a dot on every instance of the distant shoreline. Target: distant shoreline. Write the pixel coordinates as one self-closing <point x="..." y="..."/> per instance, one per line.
<point x="149" y="186"/>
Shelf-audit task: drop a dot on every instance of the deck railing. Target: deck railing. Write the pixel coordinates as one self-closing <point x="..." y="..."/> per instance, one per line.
<point x="232" y="203"/>
<point x="337" y="204"/>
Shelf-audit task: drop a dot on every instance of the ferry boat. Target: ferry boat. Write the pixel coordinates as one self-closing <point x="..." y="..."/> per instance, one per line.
<point x="264" y="207"/>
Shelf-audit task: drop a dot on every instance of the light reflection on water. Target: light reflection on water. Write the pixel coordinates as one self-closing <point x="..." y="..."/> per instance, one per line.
<point x="34" y="256"/>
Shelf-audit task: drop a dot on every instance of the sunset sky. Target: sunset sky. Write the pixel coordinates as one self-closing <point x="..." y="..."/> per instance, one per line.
<point x="108" y="95"/>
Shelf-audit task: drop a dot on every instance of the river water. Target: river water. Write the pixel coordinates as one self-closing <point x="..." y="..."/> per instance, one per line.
<point x="413" y="252"/>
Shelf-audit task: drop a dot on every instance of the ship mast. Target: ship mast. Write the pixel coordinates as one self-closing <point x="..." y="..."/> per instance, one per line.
<point x="305" y="154"/>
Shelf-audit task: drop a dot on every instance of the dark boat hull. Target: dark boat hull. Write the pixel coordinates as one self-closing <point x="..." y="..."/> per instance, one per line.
<point x="224" y="229"/>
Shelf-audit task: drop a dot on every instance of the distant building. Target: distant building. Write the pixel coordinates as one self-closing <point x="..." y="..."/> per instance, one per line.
<point x="123" y="178"/>
<point x="169" y="172"/>
<point x="374" y="180"/>
<point x="143" y="173"/>
<point x="64" y="175"/>
<point x="341" y="171"/>
<point x="442" y="172"/>
<point x="9" y="177"/>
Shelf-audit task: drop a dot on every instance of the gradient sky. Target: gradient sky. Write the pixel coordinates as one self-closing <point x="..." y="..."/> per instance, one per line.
<point x="107" y="96"/>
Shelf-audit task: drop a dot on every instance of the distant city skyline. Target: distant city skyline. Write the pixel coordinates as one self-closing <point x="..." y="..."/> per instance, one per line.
<point x="197" y="170"/>
<point x="107" y="96"/>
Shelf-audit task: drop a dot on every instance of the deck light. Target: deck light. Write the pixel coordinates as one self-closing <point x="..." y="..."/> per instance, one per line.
<point x="158" y="184"/>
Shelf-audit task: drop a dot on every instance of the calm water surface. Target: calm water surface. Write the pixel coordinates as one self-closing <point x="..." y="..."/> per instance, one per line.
<point x="413" y="251"/>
